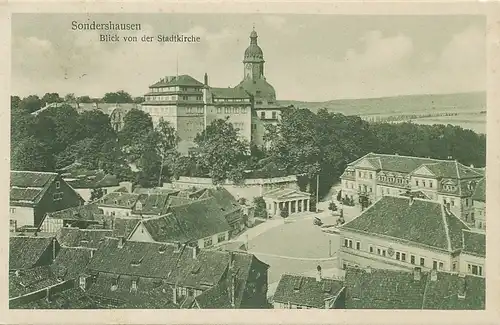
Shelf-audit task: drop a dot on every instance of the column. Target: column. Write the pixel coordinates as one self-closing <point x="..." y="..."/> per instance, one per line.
<point x="299" y="205"/>
<point x="307" y="204"/>
<point x="274" y="207"/>
<point x="289" y="207"/>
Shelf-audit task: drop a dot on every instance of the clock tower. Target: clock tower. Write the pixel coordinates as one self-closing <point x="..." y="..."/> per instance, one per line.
<point x="253" y="61"/>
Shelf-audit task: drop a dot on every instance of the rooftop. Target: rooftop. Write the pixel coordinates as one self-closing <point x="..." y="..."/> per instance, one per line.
<point x="87" y="212"/>
<point x="389" y="289"/>
<point x="480" y="191"/>
<point x="233" y="93"/>
<point x="474" y="243"/>
<point x="306" y="291"/>
<point x="118" y="200"/>
<point x="286" y="193"/>
<point x="182" y="80"/>
<point x="422" y="222"/>
<point x="27" y="187"/>
<point x="25" y="252"/>
<point x="86" y="238"/>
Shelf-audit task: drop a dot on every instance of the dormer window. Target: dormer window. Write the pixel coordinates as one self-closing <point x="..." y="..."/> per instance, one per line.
<point x="114" y="284"/>
<point x="133" y="287"/>
<point x="58" y="185"/>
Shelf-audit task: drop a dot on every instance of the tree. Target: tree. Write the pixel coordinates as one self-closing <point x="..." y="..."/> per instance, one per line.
<point x="30" y="104"/>
<point x="70" y="98"/>
<point x="32" y="154"/>
<point x="97" y="125"/>
<point x="117" y="97"/>
<point x="84" y="99"/>
<point x="138" y="100"/>
<point x="284" y="213"/>
<point x="66" y="126"/>
<point x="339" y="196"/>
<point x="136" y="125"/>
<point x="221" y="152"/>
<point x="332" y="206"/>
<point x="166" y="144"/>
<point x="14" y="103"/>
<point x="260" y="207"/>
<point x="50" y="98"/>
<point x="96" y="194"/>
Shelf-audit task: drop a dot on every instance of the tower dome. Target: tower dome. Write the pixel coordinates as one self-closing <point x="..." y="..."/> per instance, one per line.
<point x="253" y="53"/>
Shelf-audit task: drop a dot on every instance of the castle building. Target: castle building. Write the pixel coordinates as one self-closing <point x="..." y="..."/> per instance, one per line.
<point x="190" y="105"/>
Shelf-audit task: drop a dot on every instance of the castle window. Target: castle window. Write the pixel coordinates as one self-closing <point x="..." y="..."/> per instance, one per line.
<point x="262" y="115"/>
<point x="243" y="110"/>
<point x="274" y="115"/>
<point x="219" y="110"/>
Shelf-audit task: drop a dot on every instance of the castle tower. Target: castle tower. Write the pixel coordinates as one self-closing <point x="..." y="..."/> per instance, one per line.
<point x="253" y="60"/>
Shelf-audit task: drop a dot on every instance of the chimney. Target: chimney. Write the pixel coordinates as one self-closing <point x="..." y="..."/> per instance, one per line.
<point x="368" y="269"/>
<point x="318" y="274"/>
<point x="54" y="249"/>
<point x="121" y="242"/>
<point x="91" y="253"/>
<point x="195" y="251"/>
<point x="462" y="286"/>
<point x="206" y="79"/>
<point x="434" y="275"/>
<point x="83" y="282"/>
<point x="174" y="294"/>
<point x="417" y="273"/>
<point x="177" y="248"/>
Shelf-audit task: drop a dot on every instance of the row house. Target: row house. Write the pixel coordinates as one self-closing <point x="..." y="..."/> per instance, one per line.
<point x="403" y="232"/>
<point x="132" y="274"/>
<point x="34" y="194"/>
<point x="369" y="288"/>
<point x="447" y="181"/>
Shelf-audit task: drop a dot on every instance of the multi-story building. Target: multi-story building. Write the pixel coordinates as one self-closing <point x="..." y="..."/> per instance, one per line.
<point x="448" y="181"/>
<point x="33" y="194"/>
<point x="479" y="203"/>
<point x="190" y="105"/>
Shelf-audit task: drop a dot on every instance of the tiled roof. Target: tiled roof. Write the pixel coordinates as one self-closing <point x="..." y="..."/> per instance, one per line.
<point x="87" y="212"/>
<point x="161" y="261"/>
<point x="151" y="204"/>
<point x="182" y="80"/>
<point x="119" y="200"/>
<point x="25" y="252"/>
<point x="423" y="222"/>
<point x="306" y="291"/>
<point x="185" y="223"/>
<point x="390" y="289"/>
<point x="30" y="280"/>
<point x="156" y="190"/>
<point x="79" y="177"/>
<point x="480" y="191"/>
<point x="474" y="243"/>
<point x="122" y="227"/>
<point x="87" y="238"/>
<point x="224" y="199"/>
<point x="229" y="93"/>
<point x="70" y="262"/>
<point x="178" y="200"/>
<point x="73" y="298"/>
<point x="28" y="187"/>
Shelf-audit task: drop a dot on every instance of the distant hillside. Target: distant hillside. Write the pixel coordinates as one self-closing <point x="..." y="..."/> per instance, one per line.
<point x="471" y="102"/>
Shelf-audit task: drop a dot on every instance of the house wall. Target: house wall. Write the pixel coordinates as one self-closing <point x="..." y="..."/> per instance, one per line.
<point x="363" y="257"/>
<point x="51" y="224"/>
<point x="480" y="215"/>
<point x="23" y="216"/>
<point x="460" y="207"/>
<point x="214" y="238"/>
<point x="141" y="234"/>
<point x="466" y="259"/>
<point x="233" y="112"/>
<point x="366" y="180"/>
<point x="110" y="211"/>
<point x="428" y="185"/>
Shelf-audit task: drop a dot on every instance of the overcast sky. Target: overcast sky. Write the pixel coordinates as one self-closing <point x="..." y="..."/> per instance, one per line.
<point x="313" y="58"/>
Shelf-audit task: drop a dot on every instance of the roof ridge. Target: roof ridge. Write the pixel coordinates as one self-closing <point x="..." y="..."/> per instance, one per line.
<point x="33" y="172"/>
<point x="446" y="229"/>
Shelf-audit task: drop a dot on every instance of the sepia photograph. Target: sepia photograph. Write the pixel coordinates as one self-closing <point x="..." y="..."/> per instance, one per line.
<point x="247" y="161"/>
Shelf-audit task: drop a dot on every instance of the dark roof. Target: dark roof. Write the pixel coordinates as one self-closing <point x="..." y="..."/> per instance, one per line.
<point x="306" y="291"/>
<point x="161" y="261"/>
<point x="480" y="191"/>
<point x="122" y="227"/>
<point x="474" y="243"/>
<point x="87" y="212"/>
<point x="178" y="200"/>
<point x="70" y="262"/>
<point x="73" y="298"/>
<point x="78" y="176"/>
<point x="87" y="238"/>
<point x="119" y="200"/>
<point x="423" y="222"/>
<point x="30" y="280"/>
<point x="390" y="289"/>
<point x="229" y="93"/>
<point x="259" y="88"/>
<point x="151" y="204"/>
<point x="182" y="80"/>
<point x="189" y="222"/>
<point x="25" y="252"/>
<point x="156" y="190"/>
<point x="229" y="205"/>
<point x="27" y="187"/>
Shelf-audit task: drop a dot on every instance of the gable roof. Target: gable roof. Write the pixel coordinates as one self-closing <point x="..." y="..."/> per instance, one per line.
<point x="123" y="226"/>
<point x="223" y="198"/>
<point x="87" y="212"/>
<point x="480" y="191"/>
<point x="284" y="193"/>
<point x="161" y="261"/>
<point x="189" y="222"/>
<point x="27" y="187"/>
<point x="80" y="177"/>
<point x="182" y="80"/>
<point x="118" y="200"/>
<point x="306" y="291"/>
<point x="423" y="222"/>
<point x="87" y="238"/>
<point x="474" y="243"/>
<point x="30" y="280"/>
<point x="25" y="252"/>
<point x="152" y="204"/>
<point x="70" y="262"/>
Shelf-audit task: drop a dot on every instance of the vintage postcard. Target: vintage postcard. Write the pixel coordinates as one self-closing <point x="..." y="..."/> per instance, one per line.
<point x="182" y="160"/>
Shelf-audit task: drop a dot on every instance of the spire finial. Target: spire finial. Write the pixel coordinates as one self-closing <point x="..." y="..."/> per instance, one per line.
<point x="253" y="26"/>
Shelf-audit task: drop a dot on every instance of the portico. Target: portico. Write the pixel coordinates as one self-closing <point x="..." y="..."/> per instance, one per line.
<point x="293" y="201"/>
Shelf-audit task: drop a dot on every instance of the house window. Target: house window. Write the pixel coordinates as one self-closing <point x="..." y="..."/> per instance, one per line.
<point x="403" y="257"/>
<point x="371" y="249"/>
<point x="219" y="110"/>
<point x="221" y="238"/>
<point x="378" y="251"/>
<point x="346" y="243"/>
<point x="475" y="269"/>
<point x="398" y="256"/>
<point x="58" y="185"/>
<point x="383" y="252"/>
<point x="359" y="174"/>
<point x="58" y="196"/>
<point x="208" y="242"/>
<point x="441" y="266"/>
<point x="358" y="245"/>
<point x="262" y="115"/>
<point x="434" y="265"/>
<point x="12" y="210"/>
<point x="134" y="285"/>
<point x="452" y="202"/>
<point x="371" y="176"/>
<point x="422" y="261"/>
<point x="431" y="184"/>
<point x="350" y="243"/>
<point x="466" y="202"/>
<point x="454" y="266"/>
<point x="274" y="115"/>
<point x="416" y="183"/>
